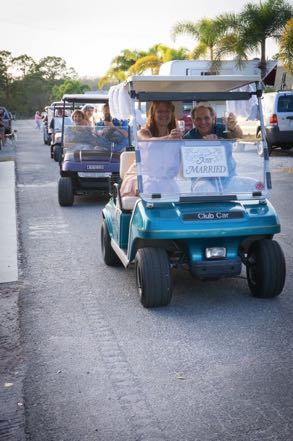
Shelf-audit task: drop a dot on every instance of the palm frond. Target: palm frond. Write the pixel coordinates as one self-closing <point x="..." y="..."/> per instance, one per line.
<point x="149" y="62"/>
<point x="184" y="28"/>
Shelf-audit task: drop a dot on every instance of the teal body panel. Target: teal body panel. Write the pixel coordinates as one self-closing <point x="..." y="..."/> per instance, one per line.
<point x="165" y="221"/>
<point x="117" y="223"/>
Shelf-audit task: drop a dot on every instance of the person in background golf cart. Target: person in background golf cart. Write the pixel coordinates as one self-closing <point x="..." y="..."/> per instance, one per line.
<point x="114" y="130"/>
<point x="58" y="114"/>
<point x="205" y="126"/>
<point x="78" y="118"/>
<point x="88" y="110"/>
<point x="107" y="119"/>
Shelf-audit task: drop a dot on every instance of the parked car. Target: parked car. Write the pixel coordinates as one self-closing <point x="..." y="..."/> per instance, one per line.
<point x="199" y="206"/>
<point x="278" y="119"/>
<point x="7" y="120"/>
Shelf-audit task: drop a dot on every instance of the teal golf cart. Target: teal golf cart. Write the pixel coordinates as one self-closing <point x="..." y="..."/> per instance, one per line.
<point x="200" y="205"/>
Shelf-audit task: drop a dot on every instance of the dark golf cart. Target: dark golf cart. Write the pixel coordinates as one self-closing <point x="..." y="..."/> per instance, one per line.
<point x="91" y="154"/>
<point x="58" y="116"/>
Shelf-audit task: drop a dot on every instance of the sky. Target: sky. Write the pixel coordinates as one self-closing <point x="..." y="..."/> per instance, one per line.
<point x="88" y="35"/>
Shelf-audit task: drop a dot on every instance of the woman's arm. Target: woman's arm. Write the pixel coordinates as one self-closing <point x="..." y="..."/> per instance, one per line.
<point x="146" y="134"/>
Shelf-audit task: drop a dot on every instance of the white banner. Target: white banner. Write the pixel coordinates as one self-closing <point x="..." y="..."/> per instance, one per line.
<point x="204" y="162"/>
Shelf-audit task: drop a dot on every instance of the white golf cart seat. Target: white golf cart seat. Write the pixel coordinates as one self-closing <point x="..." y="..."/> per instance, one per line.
<point x="126" y="160"/>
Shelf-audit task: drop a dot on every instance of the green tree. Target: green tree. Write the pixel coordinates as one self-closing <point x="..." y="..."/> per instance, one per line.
<point x="26" y="86"/>
<point x="286" y="47"/>
<point x="248" y="31"/>
<point x="29" y="94"/>
<point x="207" y="32"/>
<point x="23" y="65"/>
<point x="68" y="86"/>
<point x="54" y="68"/>
<point x="5" y="76"/>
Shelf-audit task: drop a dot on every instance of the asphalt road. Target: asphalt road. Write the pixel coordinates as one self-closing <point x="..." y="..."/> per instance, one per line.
<point x="215" y="365"/>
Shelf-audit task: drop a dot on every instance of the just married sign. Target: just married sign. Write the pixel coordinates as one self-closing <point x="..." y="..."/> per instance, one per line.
<point x="204" y="162"/>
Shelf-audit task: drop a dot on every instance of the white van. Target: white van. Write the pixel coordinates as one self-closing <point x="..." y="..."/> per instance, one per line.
<point x="278" y="119"/>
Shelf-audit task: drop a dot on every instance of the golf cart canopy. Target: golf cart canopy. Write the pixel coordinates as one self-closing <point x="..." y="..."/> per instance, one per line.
<point x="177" y="88"/>
<point x="85" y="98"/>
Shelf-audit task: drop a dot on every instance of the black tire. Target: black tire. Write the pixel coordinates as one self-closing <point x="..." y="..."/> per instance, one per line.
<point x="266" y="269"/>
<point x="153" y="277"/>
<point x="260" y="150"/>
<point x="270" y="147"/>
<point x="65" y="192"/>
<point x="57" y="153"/>
<point x="109" y="255"/>
<point x="259" y="147"/>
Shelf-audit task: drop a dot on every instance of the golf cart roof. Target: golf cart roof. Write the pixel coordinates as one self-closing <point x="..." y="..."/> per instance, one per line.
<point x="178" y="88"/>
<point x="85" y="98"/>
<point x="200" y="83"/>
<point x="60" y="105"/>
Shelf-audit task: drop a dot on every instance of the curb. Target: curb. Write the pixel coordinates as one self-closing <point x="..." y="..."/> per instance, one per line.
<point x="12" y="366"/>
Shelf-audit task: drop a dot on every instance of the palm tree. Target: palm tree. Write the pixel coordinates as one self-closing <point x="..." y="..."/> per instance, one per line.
<point x="286" y="47"/>
<point x="157" y="55"/>
<point x="206" y="31"/>
<point x="249" y="30"/>
<point x="120" y="65"/>
<point x="137" y="62"/>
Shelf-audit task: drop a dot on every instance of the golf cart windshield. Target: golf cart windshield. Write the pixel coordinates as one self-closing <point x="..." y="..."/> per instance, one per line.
<point x="207" y="162"/>
<point x="104" y="139"/>
<point x="58" y="122"/>
<point x="173" y="170"/>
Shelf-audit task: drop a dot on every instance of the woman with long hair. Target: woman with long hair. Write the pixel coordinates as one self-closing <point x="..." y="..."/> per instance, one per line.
<point x="161" y="122"/>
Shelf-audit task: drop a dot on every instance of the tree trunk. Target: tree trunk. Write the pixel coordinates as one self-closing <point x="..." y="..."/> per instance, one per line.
<point x="263" y="62"/>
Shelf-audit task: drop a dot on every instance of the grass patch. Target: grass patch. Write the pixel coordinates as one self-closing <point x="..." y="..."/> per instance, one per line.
<point x="7" y="158"/>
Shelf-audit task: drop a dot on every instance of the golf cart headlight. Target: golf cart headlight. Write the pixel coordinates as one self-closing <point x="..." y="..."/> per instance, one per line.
<point x="215" y="253"/>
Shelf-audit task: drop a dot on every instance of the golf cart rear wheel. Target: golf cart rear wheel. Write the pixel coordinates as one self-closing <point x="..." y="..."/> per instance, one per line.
<point x="153" y="277"/>
<point x="109" y="255"/>
<point x="65" y="192"/>
<point x="266" y="269"/>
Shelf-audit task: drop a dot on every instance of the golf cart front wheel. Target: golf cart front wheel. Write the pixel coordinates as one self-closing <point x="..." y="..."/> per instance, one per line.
<point x="266" y="269"/>
<point x="153" y="277"/>
<point x="65" y="192"/>
<point x="109" y="255"/>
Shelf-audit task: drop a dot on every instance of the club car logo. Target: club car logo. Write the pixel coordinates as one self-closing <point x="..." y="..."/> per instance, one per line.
<point x="213" y="215"/>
